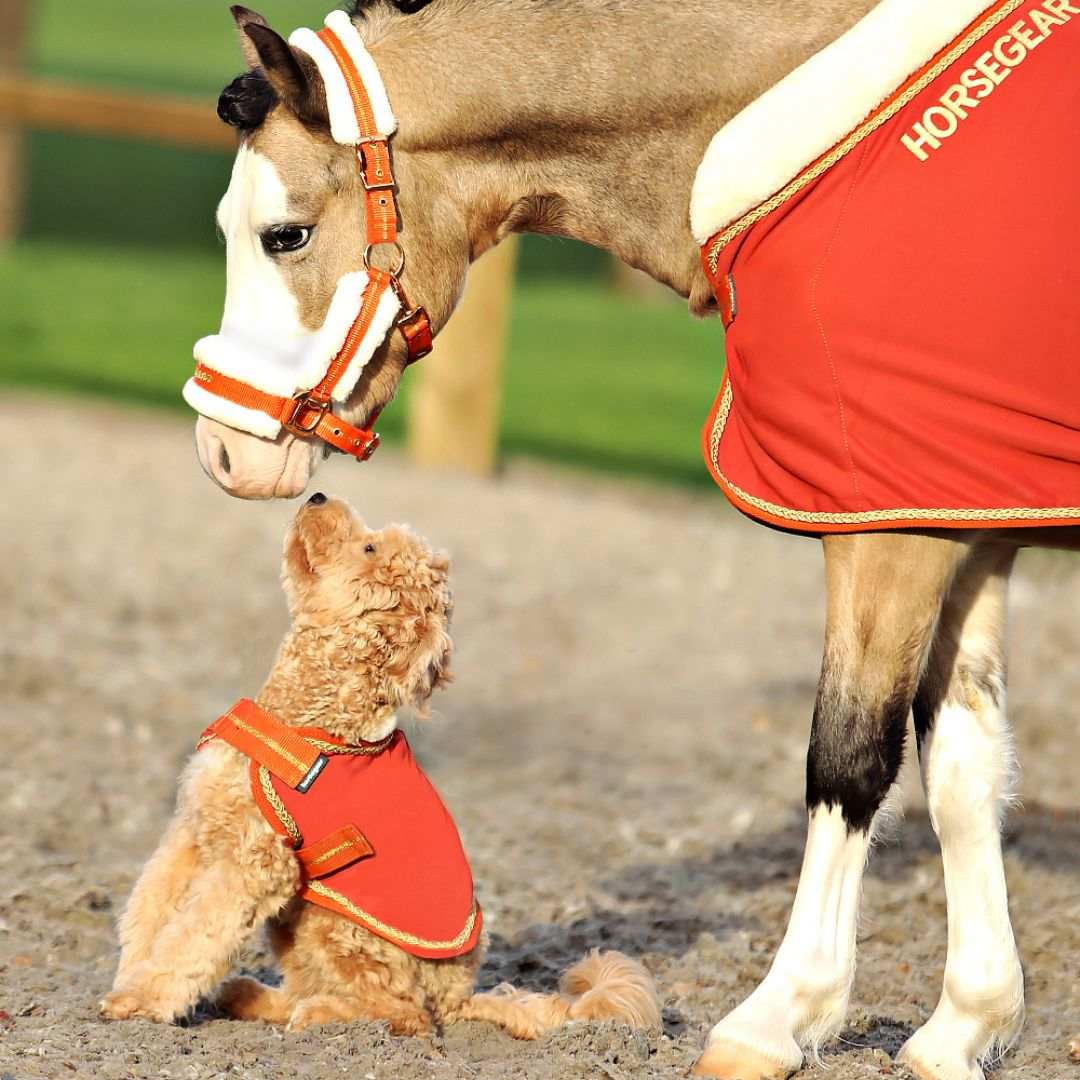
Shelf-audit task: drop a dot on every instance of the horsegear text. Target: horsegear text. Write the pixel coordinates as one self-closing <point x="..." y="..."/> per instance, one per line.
<point x="990" y="70"/>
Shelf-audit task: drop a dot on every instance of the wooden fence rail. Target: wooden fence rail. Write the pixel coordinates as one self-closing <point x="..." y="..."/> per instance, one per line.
<point x="81" y="110"/>
<point x="12" y="42"/>
<point x="455" y="417"/>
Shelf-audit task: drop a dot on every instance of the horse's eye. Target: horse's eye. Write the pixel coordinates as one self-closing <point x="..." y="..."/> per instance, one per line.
<point x="279" y="238"/>
<point x="369" y="549"/>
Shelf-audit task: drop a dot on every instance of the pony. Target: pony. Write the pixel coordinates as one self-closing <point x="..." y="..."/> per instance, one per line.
<point x="588" y="119"/>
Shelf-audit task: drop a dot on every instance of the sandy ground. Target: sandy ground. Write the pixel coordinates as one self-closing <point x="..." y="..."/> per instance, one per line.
<point x="623" y="750"/>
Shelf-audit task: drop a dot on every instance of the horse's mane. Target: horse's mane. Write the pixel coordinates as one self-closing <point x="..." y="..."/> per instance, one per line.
<point x="248" y="99"/>
<point x="406" y="7"/>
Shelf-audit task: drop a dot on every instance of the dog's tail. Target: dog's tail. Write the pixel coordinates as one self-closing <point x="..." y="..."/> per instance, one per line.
<point x="603" y="986"/>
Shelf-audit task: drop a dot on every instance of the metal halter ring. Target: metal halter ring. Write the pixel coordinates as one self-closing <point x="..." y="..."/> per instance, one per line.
<point x="399" y="269"/>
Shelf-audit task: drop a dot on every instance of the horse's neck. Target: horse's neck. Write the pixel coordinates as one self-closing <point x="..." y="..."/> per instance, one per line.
<point x="588" y="118"/>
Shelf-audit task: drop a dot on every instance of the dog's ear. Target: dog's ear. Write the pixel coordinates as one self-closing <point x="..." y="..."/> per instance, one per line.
<point x="312" y="547"/>
<point x="423" y="661"/>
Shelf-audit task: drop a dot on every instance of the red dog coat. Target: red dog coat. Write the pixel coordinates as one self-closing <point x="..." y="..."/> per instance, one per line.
<point x="903" y="343"/>
<point x="374" y="839"/>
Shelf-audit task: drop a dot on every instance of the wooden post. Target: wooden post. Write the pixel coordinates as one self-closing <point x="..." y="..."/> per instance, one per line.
<point x="13" y="20"/>
<point x="454" y="408"/>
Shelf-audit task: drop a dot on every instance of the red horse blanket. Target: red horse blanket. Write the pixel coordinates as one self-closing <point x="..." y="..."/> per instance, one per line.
<point x="903" y="330"/>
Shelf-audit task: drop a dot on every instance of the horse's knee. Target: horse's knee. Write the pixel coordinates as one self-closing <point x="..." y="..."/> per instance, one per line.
<point x="856" y="749"/>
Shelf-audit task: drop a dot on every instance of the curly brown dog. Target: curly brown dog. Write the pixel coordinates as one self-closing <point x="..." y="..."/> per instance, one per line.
<point x="361" y="922"/>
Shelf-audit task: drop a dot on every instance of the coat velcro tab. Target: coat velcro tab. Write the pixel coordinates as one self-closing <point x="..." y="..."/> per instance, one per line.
<point x="337" y="849"/>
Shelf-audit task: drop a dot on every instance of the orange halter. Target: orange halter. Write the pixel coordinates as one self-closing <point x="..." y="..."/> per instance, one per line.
<point x="308" y="413"/>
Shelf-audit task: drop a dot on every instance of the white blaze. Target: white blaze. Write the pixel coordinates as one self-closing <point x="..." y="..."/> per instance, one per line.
<point x="262" y="341"/>
<point x="260" y="309"/>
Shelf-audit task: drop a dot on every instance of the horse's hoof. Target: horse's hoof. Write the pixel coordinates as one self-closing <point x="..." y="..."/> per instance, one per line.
<point x="918" y="1066"/>
<point x="729" y="1061"/>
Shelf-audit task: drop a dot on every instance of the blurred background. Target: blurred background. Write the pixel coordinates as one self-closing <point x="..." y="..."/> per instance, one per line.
<point x="111" y="165"/>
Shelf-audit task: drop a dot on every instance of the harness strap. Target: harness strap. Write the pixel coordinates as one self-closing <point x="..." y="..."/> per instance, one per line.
<point x="336" y="850"/>
<point x="280" y="749"/>
<point x="302" y="414"/>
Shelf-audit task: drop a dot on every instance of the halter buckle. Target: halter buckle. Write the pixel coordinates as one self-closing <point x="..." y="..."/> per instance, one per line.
<point x="415" y="327"/>
<point x="374" y="185"/>
<point x="306" y="415"/>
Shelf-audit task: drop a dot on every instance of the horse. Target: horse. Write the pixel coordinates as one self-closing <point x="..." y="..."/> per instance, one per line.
<point x="588" y="119"/>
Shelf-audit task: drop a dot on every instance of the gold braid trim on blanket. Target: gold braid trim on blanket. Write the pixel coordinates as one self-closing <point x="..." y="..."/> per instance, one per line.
<point x="870" y="517"/>
<point x="274" y="800"/>
<point x="389" y="931"/>
<point x="367" y="750"/>
<point x="272" y="797"/>
<point x="844" y="148"/>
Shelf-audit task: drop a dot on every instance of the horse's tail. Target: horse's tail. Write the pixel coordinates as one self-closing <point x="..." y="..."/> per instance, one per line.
<point x="603" y="986"/>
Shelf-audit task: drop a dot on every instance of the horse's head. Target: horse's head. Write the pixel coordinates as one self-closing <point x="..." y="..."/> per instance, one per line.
<point x="294" y="222"/>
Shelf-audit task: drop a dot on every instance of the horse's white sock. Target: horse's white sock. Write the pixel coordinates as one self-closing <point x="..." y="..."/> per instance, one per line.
<point x="803" y="1000"/>
<point x="967" y="762"/>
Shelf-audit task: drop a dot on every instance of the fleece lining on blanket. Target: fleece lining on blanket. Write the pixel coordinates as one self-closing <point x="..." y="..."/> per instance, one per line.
<point x="903" y="343"/>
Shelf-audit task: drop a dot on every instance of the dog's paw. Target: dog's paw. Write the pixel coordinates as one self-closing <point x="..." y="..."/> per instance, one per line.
<point x="120" y="1005"/>
<point x="314" y="1011"/>
<point x="244" y="998"/>
<point x="129" y="1005"/>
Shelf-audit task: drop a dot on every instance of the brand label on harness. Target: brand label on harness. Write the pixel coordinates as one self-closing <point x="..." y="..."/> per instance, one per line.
<point x="989" y="71"/>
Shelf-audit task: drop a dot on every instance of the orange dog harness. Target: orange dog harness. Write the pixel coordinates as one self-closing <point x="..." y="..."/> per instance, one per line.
<point x="903" y="339"/>
<point x="373" y="838"/>
<point x="360" y="116"/>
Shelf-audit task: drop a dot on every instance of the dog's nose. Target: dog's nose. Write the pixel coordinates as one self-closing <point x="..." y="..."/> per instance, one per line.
<point x="317" y="499"/>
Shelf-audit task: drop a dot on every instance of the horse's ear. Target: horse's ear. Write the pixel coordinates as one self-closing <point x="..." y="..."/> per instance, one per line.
<point x="246" y="17"/>
<point x="295" y="81"/>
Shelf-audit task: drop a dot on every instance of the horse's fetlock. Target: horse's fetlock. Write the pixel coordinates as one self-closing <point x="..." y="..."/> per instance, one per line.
<point x="818" y="984"/>
<point x="992" y="991"/>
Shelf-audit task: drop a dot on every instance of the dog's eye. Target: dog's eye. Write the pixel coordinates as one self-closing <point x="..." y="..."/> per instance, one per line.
<point x="369" y="549"/>
<point x="281" y="238"/>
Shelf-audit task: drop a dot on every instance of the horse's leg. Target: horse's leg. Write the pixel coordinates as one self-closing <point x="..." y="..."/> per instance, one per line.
<point x="966" y="755"/>
<point x="885" y="592"/>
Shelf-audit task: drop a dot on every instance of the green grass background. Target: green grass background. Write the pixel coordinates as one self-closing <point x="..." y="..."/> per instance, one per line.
<point x="118" y="269"/>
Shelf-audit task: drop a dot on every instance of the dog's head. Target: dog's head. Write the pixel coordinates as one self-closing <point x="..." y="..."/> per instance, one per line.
<point x="381" y="598"/>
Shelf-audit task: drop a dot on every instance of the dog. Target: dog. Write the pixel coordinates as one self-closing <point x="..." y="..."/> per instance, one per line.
<point x="364" y="888"/>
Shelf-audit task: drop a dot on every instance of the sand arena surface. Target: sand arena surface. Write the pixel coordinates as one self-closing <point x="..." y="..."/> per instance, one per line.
<point x="623" y="750"/>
